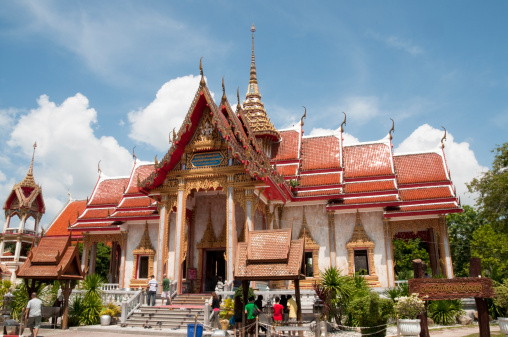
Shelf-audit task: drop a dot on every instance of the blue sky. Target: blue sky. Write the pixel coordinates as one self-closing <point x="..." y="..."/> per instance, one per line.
<point x="91" y="80"/>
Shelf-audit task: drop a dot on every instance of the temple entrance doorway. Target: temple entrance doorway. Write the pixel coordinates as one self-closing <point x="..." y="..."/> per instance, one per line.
<point x="214" y="266"/>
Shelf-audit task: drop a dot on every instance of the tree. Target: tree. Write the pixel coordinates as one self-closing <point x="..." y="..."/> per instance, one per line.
<point x="492" y="248"/>
<point x="492" y="188"/>
<point x="461" y="227"/>
<point x="103" y="259"/>
<point x="405" y="251"/>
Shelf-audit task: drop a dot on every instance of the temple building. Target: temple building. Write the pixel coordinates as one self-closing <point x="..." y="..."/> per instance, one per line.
<point x="230" y="172"/>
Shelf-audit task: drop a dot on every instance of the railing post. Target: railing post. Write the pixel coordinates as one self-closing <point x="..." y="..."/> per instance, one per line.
<point x="123" y="318"/>
<point x="206" y="315"/>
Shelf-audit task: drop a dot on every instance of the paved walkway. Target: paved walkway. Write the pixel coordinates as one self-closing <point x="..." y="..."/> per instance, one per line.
<point x="461" y="331"/>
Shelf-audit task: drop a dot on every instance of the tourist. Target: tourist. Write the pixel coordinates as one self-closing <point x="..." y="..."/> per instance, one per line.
<point x="250" y="325"/>
<point x="152" y="290"/>
<point x="219" y="286"/>
<point x="292" y="311"/>
<point x="214" y="319"/>
<point x="285" y="312"/>
<point x="238" y="310"/>
<point x="166" y="290"/>
<point x="259" y="305"/>
<point x="33" y="314"/>
<point x="277" y="313"/>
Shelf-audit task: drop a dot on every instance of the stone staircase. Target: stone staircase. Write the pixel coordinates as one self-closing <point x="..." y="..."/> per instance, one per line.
<point x="176" y="316"/>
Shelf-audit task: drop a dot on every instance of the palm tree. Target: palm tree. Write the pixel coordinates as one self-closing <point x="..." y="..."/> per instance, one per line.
<point x="336" y="291"/>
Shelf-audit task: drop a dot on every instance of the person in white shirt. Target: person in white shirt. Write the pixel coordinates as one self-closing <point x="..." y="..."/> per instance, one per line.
<point x="34" y="314"/>
<point x="152" y="290"/>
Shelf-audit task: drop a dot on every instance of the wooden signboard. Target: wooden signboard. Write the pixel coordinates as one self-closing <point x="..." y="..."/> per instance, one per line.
<point x="451" y="289"/>
<point x="192" y="274"/>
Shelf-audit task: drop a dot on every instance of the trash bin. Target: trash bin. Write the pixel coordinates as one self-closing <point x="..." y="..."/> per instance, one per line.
<point x="190" y="330"/>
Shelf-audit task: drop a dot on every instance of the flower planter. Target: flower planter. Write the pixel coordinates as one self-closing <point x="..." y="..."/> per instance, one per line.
<point x="224" y="324"/>
<point x="409" y="327"/>
<point x="503" y="325"/>
<point x="105" y="320"/>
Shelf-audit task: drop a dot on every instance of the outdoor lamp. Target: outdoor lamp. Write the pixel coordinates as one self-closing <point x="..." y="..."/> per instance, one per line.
<point x="7" y="305"/>
<point x="318" y="306"/>
<point x="268" y="308"/>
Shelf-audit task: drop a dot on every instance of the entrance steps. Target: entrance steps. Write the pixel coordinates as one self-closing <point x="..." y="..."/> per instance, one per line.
<point x="176" y="316"/>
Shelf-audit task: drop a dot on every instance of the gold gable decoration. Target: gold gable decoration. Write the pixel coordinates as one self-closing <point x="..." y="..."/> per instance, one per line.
<point x="144" y="248"/>
<point x="206" y="137"/>
<point x="360" y="240"/>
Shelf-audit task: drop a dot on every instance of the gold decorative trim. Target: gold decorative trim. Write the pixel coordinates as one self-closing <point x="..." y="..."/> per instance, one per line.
<point x="144" y="248"/>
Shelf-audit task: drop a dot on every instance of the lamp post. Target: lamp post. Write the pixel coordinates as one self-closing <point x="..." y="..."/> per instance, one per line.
<point x="268" y="311"/>
<point x="8" y="299"/>
<point x="317" y="309"/>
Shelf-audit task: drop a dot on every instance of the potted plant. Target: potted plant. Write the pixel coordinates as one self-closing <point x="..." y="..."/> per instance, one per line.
<point x="226" y="312"/>
<point x="105" y="316"/>
<point x="501" y="301"/>
<point x="407" y="309"/>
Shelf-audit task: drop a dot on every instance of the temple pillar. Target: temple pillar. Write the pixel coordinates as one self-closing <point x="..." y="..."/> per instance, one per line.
<point x="93" y="258"/>
<point x="22" y="224"/>
<point x="160" y="239"/>
<point x="18" y="249"/>
<point x="331" y="235"/>
<point x="231" y="227"/>
<point x="249" y="218"/>
<point x="446" y="246"/>
<point x="112" y="263"/>
<point x="123" y="252"/>
<point x="7" y="222"/>
<point x="86" y="249"/>
<point x="180" y="223"/>
<point x="388" y="251"/>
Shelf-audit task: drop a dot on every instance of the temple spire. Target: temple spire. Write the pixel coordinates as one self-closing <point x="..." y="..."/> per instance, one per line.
<point x="253" y="76"/>
<point x="29" y="178"/>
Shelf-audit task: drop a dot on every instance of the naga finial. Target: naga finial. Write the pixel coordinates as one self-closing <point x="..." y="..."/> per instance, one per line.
<point x="134" y="154"/>
<point x="201" y="66"/>
<point x="223" y="87"/>
<point x="444" y="138"/>
<point x="99" y="168"/>
<point x="156" y="161"/>
<point x="174" y="134"/>
<point x="343" y="122"/>
<point x="304" y="115"/>
<point x="392" y="129"/>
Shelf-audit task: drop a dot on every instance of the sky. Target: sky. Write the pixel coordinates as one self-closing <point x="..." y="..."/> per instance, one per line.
<point x="89" y="81"/>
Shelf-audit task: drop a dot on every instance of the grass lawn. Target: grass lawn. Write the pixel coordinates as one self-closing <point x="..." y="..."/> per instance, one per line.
<point x="492" y="334"/>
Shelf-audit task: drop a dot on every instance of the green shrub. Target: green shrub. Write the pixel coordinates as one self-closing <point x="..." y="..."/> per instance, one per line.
<point x="445" y="312"/>
<point x="409" y="307"/>
<point x="371" y="311"/>
<point x="239" y="293"/>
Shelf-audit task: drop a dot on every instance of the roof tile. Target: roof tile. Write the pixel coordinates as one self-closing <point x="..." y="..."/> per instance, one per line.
<point x="320" y="179"/>
<point x="287" y="148"/>
<point x="425" y="193"/>
<point x="69" y="214"/>
<point x="370" y="186"/>
<point x="419" y="168"/>
<point x="109" y="191"/>
<point x="367" y="160"/>
<point x="321" y="153"/>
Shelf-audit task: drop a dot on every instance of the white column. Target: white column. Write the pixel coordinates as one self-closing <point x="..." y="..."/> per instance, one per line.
<point x="84" y="256"/>
<point x="7" y="222"/>
<point x="18" y="250"/>
<point x="231" y="231"/>
<point x="22" y="224"/>
<point x="249" y="194"/>
<point x="180" y="222"/>
<point x="160" y="244"/>
<point x="331" y="234"/>
<point x="93" y="257"/>
<point x="389" y="258"/>
<point x="123" y="251"/>
<point x="446" y="244"/>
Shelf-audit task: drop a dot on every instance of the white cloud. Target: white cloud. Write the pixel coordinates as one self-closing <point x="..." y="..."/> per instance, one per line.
<point x="362" y="108"/>
<point x="348" y="139"/>
<point x="153" y="124"/>
<point x="7" y="117"/>
<point x="460" y="158"/>
<point x="67" y="150"/>
<point x="398" y="42"/>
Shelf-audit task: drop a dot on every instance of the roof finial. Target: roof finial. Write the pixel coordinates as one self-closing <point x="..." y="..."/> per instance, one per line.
<point x="223" y="88"/>
<point x="253" y="76"/>
<point x="343" y="123"/>
<point x="201" y="69"/>
<point x="99" y="168"/>
<point x="304" y="115"/>
<point x="444" y="138"/>
<point x="133" y="154"/>
<point x="31" y="169"/>
<point x="69" y="193"/>
<point x="239" y="105"/>
<point x="174" y="135"/>
<point x="392" y="129"/>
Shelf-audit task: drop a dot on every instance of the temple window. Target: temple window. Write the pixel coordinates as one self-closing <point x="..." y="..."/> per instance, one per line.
<point x="142" y="267"/>
<point x="361" y="261"/>
<point x="309" y="265"/>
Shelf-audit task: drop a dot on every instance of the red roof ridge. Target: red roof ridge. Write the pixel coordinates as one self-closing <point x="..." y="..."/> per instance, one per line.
<point x="385" y="140"/>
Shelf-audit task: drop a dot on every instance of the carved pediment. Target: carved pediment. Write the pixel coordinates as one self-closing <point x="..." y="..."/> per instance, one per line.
<point x="207" y="136"/>
<point x="145" y="246"/>
<point x="209" y="240"/>
<point x="359" y="237"/>
<point x="306" y="235"/>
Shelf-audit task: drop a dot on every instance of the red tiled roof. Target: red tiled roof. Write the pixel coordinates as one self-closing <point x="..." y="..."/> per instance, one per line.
<point x="68" y="214"/>
<point x="383" y="198"/>
<point x="426" y="207"/>
<point x="370" y="186"/>
<point x="109" y="191"/>
<point x="419" y="168"/>
<point x="96" y="213"/>
<point x="136" y="202"/>
<point x="287" y="170"/>
<point x="277" y="240"/>
<point x="319" y="192"/>
<point x="320" y="179"/>
<point x="125" y="214"/>
<point x="367" y="160"/>
<point x="49" y="250"/>
<point x="321" y="153"/>
<point x="287" y="148"/>
<point x="143" y="171"/>
<point x="425" y="193"/>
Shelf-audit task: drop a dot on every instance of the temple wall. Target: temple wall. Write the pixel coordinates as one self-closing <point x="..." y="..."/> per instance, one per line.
<point x="258" y="220"/>
<point x="133" y="239"/>
<point x="373" y="224"/>
<point x="239" y="219"/>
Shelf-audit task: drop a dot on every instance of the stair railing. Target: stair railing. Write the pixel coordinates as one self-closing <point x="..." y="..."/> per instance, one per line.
<point x="130" y="305"/>
<point x="173" y="289"/>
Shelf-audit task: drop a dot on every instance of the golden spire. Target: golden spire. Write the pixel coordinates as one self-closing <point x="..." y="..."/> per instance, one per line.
<point x="253" y="75"/>
<point x="29" y="178"/>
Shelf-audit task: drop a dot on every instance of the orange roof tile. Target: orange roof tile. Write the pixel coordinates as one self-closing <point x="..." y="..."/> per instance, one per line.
<point x="137" y="202"/>
<point x="419" y="168"/>
<point x="143" y="171"/>
<point x="92" y="224"/>
<point x="68" y="215"/>
<point x="321" y="153"/>
<point x="425" y="193"/>
<point x="370" y="186"/>
<point x="367" y="160"/>
<point x="319" y="192"/>
<point x="109" y="191"/>
<point x="278" y="242"/>
<point x="287" y="148"/>
<point x="366" y="200"/>
<point x="96" y="213"/>
<point x="426" y="207"/>
<point x="320" y="179"/>
<point x="125" y="214"/>
<point x="287" y="170"/>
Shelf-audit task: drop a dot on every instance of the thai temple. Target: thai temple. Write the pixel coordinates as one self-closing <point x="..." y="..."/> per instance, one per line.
<point x="230" y="172"/>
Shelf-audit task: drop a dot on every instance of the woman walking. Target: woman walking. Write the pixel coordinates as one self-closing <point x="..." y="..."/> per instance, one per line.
<point x="238" y="310"/>
<point x="214" y="320"/>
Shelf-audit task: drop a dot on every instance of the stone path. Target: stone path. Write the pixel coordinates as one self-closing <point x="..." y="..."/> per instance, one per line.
<point x="460" y="332"/>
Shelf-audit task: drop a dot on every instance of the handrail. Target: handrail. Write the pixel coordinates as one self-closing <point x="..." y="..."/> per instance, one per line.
<point x="129" y="306"/>
<point x="110" y="286"/>
<point x="173" y="289"/>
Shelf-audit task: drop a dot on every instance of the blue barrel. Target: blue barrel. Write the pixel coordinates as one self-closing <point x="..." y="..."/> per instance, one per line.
<point x="190" y="330"/>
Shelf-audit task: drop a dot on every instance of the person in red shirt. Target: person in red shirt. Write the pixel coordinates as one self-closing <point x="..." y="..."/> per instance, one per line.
<point x="277" y="312"/>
